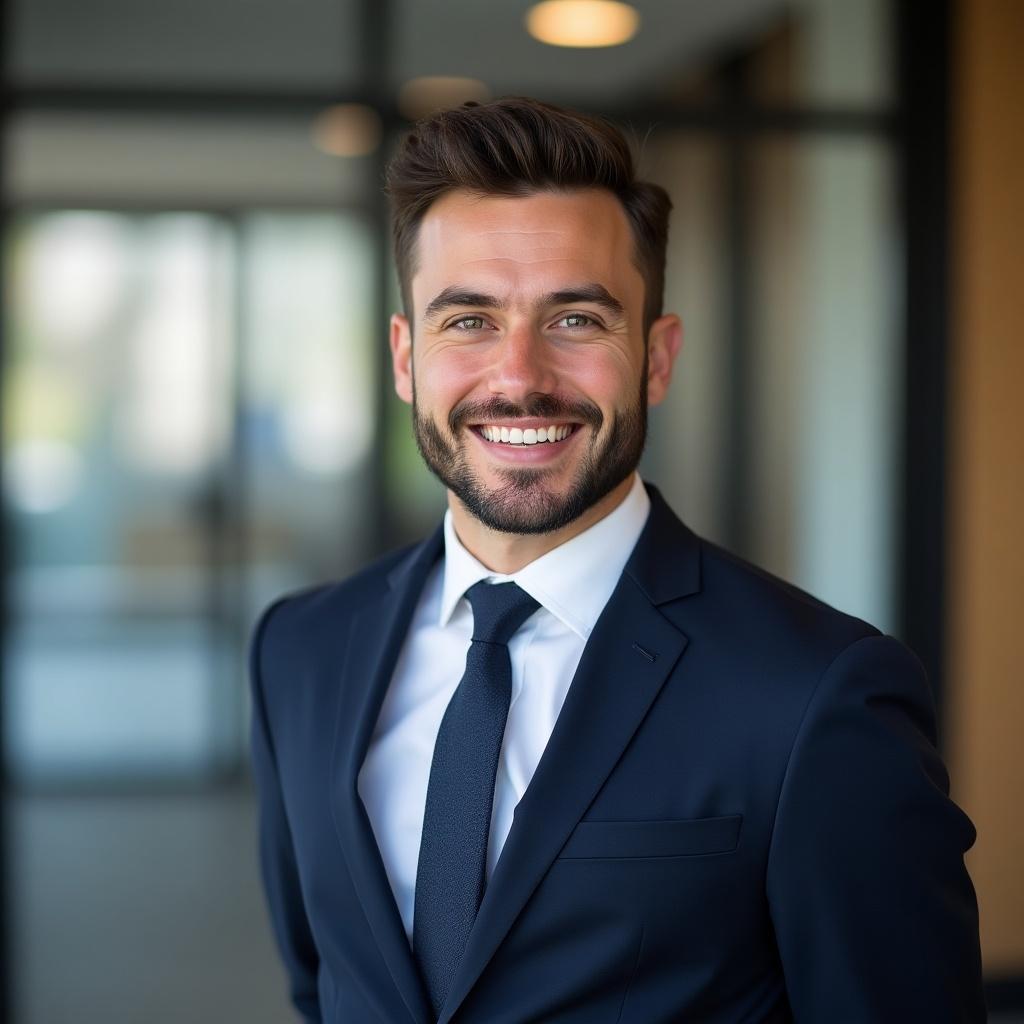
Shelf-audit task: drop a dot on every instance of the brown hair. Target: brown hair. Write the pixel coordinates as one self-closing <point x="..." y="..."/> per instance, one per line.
<point x="514" y="147"/>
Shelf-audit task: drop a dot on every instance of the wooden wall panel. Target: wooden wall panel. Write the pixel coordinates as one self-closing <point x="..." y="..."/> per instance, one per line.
<point x="986" y="585"/>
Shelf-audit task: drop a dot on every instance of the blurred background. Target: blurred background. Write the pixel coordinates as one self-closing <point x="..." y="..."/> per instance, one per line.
<point x="197" y="411"/>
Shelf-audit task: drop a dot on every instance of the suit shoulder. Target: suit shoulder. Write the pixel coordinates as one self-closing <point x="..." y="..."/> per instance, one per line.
<point x="771" y="647"/>
<point x="767" y="611"/>
<point x="325" y="605"/>
<point x="748" y="616"/>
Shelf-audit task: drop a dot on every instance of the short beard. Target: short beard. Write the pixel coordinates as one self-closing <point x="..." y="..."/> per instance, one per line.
<point x="524" y="504"/>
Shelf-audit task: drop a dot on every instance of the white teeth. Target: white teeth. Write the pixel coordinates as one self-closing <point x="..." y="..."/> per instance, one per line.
<point x="514" y="435"/>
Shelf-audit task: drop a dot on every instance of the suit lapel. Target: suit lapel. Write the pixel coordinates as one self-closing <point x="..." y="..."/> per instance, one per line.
<point x="377" y="633"/>
<point x="630" y="654"/>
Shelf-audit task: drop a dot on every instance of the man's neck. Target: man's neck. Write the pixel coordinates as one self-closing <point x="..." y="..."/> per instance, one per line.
<point x="508" y="552"/>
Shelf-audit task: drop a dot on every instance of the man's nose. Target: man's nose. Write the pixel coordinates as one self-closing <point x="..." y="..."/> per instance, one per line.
<point x="522" y="365"/>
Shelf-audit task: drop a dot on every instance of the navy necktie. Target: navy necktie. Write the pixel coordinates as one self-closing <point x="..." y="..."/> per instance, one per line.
<point x="460" y="792"/>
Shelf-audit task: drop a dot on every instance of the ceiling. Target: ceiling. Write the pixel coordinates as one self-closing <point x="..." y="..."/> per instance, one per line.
<point x="318" y="46"/>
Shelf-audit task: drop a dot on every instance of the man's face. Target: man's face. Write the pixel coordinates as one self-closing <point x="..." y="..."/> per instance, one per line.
<point x="527" y="365"/>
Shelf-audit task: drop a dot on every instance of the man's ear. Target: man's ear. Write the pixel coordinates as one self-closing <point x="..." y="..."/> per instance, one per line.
<point x="401" y="356"/>
<point x="664" y="340"/>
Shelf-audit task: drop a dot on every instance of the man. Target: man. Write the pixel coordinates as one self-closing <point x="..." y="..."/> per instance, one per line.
<point x="564" y="761"/>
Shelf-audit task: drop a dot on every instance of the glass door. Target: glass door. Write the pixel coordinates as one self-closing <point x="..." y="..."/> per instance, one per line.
<point x="189" y="404"/>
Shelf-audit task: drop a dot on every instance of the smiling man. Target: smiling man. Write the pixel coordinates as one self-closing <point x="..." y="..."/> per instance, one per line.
<point x="530" y="377"/>
<point x="565" y="761"/>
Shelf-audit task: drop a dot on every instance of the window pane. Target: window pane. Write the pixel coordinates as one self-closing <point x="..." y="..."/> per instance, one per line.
<point x="309" y="396"/>
<point x="115" y="430"/>
<point x="819" y="344"/>
<point x="827" y="370"/>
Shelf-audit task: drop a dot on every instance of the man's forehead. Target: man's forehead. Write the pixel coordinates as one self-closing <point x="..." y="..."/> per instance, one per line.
<point x="581" y="235"/>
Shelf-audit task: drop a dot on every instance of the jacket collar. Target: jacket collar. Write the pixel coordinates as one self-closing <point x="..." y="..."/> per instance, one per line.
<point x="665" y="564"/>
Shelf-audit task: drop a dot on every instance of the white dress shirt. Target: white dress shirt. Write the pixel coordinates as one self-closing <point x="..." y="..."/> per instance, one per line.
<point x="572" y="583"/>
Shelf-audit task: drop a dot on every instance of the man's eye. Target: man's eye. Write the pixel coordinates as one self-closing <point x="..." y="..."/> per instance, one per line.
<point x="468" y="323"/>
<point x="576" y="320"/>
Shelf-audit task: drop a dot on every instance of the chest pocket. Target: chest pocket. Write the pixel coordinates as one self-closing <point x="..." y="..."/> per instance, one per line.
<point x="680" y="837"/>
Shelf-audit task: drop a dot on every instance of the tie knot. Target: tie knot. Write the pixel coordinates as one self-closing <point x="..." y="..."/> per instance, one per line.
<point x="499" y="609"/>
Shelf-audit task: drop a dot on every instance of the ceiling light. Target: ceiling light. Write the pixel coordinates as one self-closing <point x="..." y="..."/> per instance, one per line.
<point x="582" y="22"/>
<point x="348" y="129"/>
<point x="420" y="97"/>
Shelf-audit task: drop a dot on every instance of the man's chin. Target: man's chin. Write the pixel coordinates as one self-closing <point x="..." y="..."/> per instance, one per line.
<point x="521" y="504"/>
<point x="527" y="481"/>
<point x="518" y="522"/>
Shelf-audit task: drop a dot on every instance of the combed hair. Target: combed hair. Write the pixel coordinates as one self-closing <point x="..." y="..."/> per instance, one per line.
<point x="517" y="146"/>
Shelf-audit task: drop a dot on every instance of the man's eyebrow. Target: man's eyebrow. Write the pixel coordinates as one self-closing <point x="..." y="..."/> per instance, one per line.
<point x="595" y="293"/>
<point x="459" y="296"/>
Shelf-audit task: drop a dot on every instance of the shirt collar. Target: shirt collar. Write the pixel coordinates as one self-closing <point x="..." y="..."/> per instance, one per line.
<point x="573" y="581"/>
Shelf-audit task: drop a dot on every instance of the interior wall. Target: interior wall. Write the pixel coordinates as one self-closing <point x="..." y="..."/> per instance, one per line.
<point x="987" y="467"/>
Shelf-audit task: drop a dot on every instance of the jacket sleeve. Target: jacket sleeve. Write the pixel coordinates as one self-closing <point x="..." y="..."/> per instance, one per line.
<point x="277" y="854"/>
<point x="875" y="916"/>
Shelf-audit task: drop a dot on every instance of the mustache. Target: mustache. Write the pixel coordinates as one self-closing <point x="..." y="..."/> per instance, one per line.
<point x="536" y="406"/>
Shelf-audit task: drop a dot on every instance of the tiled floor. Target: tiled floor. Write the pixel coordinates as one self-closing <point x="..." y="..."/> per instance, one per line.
<point x="129" y="909"/>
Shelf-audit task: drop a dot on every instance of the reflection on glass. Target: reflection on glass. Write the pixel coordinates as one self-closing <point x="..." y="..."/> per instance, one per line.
<point x="822" y="53"/>
<point x="115" y="371"/>
<point x="828" y="370"/>
<point x="822" y="351"/>
<point x="308" y="395"/>
<point x="172" y="417"/>
<point x="42" y="475"/>
<point x="183" y="395"/>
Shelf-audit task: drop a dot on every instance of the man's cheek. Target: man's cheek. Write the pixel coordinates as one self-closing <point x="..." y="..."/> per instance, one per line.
<point x="448" y="386"/>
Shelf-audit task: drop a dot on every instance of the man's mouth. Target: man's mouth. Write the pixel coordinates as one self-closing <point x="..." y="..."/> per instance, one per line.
<point x="498" y="434"/>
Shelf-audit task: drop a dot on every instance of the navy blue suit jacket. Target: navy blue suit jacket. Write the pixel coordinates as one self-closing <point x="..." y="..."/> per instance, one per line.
<point x="740" y="816"/>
